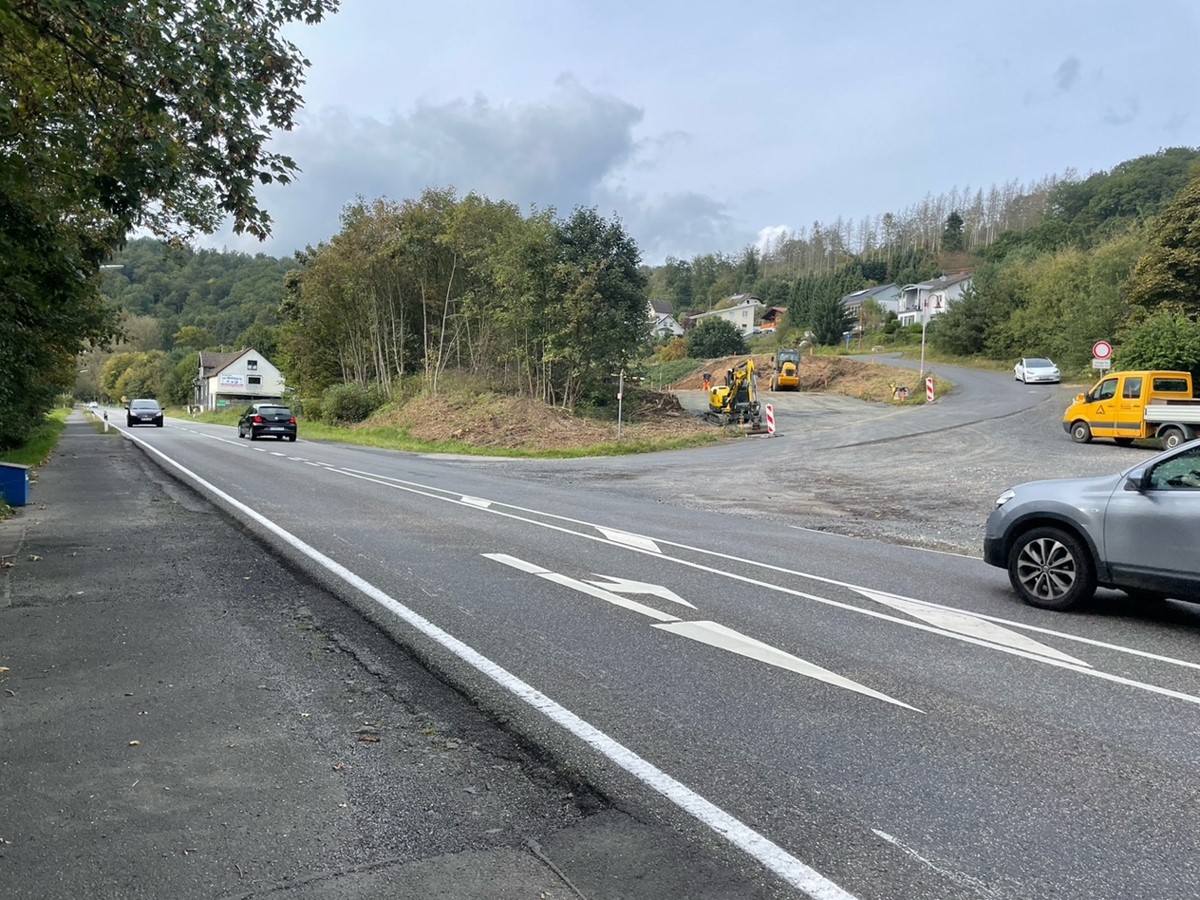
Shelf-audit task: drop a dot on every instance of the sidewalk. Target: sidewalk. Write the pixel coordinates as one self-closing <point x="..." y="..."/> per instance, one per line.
<point x="183" y="717"/>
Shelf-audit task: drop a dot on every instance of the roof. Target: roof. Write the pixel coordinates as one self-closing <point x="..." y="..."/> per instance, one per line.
<point x="870" y="292"/>
<point x="942" y="281"/>
<point x="662" y="307"/>
<point x="211" y="363"/>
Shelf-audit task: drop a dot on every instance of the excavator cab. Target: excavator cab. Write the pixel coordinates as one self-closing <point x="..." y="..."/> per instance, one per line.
<point x="736" y="401"/>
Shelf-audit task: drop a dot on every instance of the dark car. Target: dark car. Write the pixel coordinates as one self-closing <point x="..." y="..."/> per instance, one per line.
<point x="143" y="412"/>
<point x="267" y="420"/>
<point x="1137" y="531"/>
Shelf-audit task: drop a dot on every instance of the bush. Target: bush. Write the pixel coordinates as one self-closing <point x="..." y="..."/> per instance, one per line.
<point x="347" y="403"/>
<point x="715" y="337"/>
<point x="675" y="348"/>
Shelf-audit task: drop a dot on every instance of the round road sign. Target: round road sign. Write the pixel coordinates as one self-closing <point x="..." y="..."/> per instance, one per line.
<point x="1102" y="350"/>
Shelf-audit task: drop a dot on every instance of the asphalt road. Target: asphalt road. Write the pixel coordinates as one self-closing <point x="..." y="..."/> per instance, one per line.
<point x="857" y="707"/>
<point x="787" y="708"/>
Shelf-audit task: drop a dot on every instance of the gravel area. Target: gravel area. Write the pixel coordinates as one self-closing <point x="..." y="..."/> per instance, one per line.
<point x="910" y="475"/>
<point x="935" y="490"/>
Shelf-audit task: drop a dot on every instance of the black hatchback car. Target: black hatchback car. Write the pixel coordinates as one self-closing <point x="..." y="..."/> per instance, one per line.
<point x="143" y="411"/>
<point x="267" y="420"/>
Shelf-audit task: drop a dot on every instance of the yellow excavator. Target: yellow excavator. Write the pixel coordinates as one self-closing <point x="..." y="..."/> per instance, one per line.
<point x="736" y="401"/>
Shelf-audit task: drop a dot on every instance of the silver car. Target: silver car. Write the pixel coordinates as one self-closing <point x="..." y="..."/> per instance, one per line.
<point x="1035" y="369"/>
<point x="1138" y="531"/>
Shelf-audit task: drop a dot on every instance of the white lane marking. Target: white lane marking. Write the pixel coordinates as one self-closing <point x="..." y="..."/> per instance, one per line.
<point x="716" y="635"/>
<point x="741" y="835"/>
<point x="965" y="623"/>
<point x="431" y="494"/>
<point x="710" y="633"/>
<point x="277" y="453"/>
<point x="581" y="586"/>
<point x="628" y="539"/>
<point x="478" y="502"/>
<point x="628" y="586"/>
<point x="854" y="537"/>
<point x="966" y="880"/>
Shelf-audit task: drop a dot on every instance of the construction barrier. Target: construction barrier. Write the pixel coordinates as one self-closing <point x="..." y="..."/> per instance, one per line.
<point x="929" y="390"/>
<point x="770" y="419"/>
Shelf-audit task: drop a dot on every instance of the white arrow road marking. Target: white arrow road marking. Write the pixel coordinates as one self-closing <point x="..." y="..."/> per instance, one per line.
<point x="582" y="586"/>
<point x="967" y="624"/>
<point x="627" y="586"/>
<point x="735" y="642"/>
<point x="629" y="540"/>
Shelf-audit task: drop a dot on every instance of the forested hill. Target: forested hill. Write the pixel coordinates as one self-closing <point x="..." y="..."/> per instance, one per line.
<point x="232" y="298"/>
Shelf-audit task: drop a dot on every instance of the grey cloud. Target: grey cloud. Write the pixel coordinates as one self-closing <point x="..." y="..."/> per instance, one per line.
<point x="1067" y="73"/>
<point x="679" y="225"/>
<point x="556" y="153"/>
<point x="1123" y="116"/>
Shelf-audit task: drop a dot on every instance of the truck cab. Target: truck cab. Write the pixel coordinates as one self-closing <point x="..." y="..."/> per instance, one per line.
<point x="1129" y="406"/>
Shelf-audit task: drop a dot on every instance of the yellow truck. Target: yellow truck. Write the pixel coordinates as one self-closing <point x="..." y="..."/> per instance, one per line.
<point x="1130" y="406"/>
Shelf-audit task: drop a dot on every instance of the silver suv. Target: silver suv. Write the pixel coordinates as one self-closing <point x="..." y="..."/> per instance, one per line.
<point x="1138" y="531"/>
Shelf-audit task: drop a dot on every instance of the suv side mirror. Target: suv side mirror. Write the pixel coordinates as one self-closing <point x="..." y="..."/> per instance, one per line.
<point x="1137" y="480"/>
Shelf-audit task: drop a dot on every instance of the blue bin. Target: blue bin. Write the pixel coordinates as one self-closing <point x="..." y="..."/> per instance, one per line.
<point x="14" y="484"/>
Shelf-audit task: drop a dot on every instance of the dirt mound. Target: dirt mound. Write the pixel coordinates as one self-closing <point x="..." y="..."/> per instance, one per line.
<point x="826" y="374"/>
<point x="516" y="423"/>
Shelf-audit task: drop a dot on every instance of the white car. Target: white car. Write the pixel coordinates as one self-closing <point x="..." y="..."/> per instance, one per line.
<point x="1034" y="369"/>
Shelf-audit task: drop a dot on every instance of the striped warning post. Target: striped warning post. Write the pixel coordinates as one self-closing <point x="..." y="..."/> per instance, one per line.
<point x="770" y="419"/>
<point x="929" y="389"/>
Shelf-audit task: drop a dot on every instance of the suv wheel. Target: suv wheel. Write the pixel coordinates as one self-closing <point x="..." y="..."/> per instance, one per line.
<point x="1051" y="569"/>
<point x="1081" y="433"/>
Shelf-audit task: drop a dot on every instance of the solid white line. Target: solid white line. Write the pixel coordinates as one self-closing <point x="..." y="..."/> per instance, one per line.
<point x="770" y="854"/>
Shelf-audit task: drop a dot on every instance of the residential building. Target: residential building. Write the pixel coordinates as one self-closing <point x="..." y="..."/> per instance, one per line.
<point x="741" y="313"/>
<point x="886" y="295"/>
<point x="928" y="299"/>
<point x="772" y="318"/>
<point x="236" y="379"/>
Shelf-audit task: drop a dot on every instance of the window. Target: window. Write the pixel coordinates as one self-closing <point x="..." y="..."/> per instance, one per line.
<point x="252" y="365"/>
<point x="1178" y="385"/>
<point x="254" y="380"/>
<point x="1107" y="390"/>
<point x="1133" y="388"/>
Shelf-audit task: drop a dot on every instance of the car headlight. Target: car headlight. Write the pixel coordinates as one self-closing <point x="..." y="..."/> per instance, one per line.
<point x="1004" y="498"/>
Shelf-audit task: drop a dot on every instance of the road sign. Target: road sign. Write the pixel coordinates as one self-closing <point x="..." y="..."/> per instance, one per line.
<point x="770" y="418"/>
<point x="1101" y="363"/>
<point x="928" y="390"/>
<point x="1102" y="350"/>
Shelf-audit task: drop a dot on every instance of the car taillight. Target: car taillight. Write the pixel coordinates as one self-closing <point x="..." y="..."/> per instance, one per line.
<point x="292" y="420"/>
<point x="258" y="420"/>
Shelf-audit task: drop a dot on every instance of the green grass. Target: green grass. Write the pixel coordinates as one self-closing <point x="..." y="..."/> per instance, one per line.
<point x="44" y="439"/>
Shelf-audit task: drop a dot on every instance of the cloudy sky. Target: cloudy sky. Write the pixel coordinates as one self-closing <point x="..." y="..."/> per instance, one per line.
<point x="704" y="125"/>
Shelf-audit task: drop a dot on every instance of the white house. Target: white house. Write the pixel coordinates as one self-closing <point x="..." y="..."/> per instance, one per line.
<point x="741" y="314"/>
<point x="922" y="302"/>
<point x="665" y="325"/>
<point x="236" y="379"/>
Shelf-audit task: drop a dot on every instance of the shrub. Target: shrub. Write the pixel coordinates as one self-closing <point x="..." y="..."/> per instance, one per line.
<point x="347" y="403"/>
